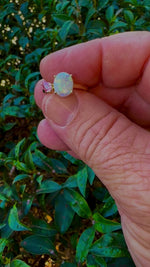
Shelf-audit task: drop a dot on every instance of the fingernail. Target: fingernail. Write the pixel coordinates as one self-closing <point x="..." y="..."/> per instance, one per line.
<point x="60" y="110"/>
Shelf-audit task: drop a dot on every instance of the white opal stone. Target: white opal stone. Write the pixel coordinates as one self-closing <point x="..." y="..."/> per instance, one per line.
<point x="63" y="84"/>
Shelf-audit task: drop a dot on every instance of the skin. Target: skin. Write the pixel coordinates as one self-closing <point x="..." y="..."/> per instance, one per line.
<point x="107" y="125"/>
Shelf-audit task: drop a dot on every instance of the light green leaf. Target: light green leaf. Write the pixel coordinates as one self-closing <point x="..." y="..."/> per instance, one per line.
<point x="103" y="225"/>
<point x="14" y="222"/>
<point x="118" y="24"/>
<point x="109" y="208"/>
<point x="110" y="245"/>
<point x="91" y="175"/>
<point x="78" y="203"/>
<point x="3" y="244"/>
<point x="71" y="182"/>
<point x="18" y="263"/>
<point x="20" y="177"/>
<point x="82" y="176"/>
<point x="48" y="186"/>
<point x="84" y="243"/>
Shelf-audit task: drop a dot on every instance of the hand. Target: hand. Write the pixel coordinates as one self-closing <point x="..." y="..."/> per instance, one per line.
<point x="106" y="125"/>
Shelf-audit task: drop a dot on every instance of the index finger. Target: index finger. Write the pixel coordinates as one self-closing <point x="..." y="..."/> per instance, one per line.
<point x="116" y="61"/>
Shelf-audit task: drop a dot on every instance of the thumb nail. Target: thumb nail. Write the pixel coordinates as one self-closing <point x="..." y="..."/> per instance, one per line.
<point x="61" y="110"/>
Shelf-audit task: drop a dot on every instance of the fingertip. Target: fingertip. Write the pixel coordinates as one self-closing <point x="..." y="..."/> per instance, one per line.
<point x="49" y="138"/>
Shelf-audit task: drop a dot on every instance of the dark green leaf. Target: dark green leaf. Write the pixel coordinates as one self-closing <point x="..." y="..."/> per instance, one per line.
<point x="42" y="228"/>
<point x="48" y="186"/>
<point x="38" y="245"/>
<point x="29" y="160"/>
<point x="129" y="16"/>
<point x="103" y="225"/>
<point x="2" y="225"/>
<point x="18" y="148"/>
<point x="31" y="76"/>
<point x="89" y="15"/>
<point x="95" y="261"/>
<point x="84" y="243"/>
<point x="78" y="203"/>
<point x="63" y="213"/>
<point x="65" y="30"/>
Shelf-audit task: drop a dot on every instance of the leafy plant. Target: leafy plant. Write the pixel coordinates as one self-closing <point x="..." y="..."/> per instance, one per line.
<point x="52" y="207"/>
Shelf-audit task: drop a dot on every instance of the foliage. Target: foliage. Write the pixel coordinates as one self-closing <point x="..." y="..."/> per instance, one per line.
<point x="50" y="203"/>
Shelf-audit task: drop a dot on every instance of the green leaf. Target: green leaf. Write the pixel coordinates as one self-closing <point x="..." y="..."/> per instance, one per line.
<point x="60" y="19"/>
<point x="12" y="111"/>
<point x="27" y="203"/>
<point x="109" y="208"/>
<point x="57" y="166"/>
<point x="21" y="166"/>
<point x="2" y="225"/>
<point x="84" y="243"/>
<point x="89" y="15"/>
<point x="71" y="182"/>
<point x="78" y="203"/>
<point x="95" y="261"/>
<point x="63" y="214"/>
<point x="91" y="175"/>
<point x="110" y="245"/>
<point x="102" y="3"/>
<point x="18" y="148"/>
<point x="82" y="176"/>
<point x="42" y="228"/>
<point x="18" y="263"/>
<point x="20" y="177"/>
<point x="65" y="30"/>
<point x="48" y="186"/>
<point x="3" y="244"/>
<point x="38" y="245"/>
<point x="31" y="76"/>
<point x="14" y="222"/>
<point x="41" y="161"/>
<point x="118" y="24"/>
<point x="103" y="225"/>
<point x="109" y="13"/>
<point x="29" y="160"/>
<point x="129" y="16"/>
<point x="8" y="126"/>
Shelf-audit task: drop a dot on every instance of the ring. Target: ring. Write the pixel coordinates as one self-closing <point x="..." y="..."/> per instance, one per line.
<point x="63" y="85"/>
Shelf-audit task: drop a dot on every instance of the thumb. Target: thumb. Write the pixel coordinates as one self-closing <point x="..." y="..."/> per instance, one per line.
<point x="101" y="136"/>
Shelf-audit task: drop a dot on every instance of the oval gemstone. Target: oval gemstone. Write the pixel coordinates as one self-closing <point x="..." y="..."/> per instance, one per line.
<point x="63" y="84"/>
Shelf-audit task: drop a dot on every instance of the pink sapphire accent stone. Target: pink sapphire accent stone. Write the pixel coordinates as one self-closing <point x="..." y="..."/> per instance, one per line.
<point x="47" y="87"/>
